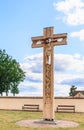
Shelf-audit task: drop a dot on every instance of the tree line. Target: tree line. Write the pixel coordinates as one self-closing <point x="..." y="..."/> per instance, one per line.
<point x="11" y="74"/>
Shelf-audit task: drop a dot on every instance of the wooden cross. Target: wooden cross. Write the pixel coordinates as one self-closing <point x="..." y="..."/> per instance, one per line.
<point x="48" y="41"/>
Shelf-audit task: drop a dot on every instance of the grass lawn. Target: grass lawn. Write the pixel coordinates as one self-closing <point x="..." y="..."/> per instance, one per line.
<point x="9" y="118"/>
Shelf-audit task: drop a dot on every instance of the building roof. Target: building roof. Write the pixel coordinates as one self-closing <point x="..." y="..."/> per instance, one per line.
<point x="79" y="91"/>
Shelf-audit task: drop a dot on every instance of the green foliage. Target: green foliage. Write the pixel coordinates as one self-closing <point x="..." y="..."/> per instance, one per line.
<point x="72" y="90"/>
<point x="14" y="89"/>
<point x="10" y="74"/>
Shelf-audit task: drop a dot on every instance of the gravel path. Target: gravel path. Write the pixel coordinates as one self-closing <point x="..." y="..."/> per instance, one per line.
<point x="39" y="124"/>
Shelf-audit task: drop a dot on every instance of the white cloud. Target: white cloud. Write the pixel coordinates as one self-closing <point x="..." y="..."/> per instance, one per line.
<point x="69" y="63"/>
<point x="68" y="70"/>
<point x="77" y="80"/>
<point x="73" y="11"/>
<point x="79" y="34"/>
<point x="33" y="63"/>
<point x="61" y="90"/>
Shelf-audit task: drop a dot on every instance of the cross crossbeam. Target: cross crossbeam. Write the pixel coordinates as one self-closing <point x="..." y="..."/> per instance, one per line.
<point x="55" y="39"/>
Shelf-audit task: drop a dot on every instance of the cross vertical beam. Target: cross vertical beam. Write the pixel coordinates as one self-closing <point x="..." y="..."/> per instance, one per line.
<point x="48" y="76"/>
<point x="48" y="41"/>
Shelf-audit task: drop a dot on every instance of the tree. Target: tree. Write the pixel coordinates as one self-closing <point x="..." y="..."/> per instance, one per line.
<point x="16" y="76"/>
<point x="11" y="74"/>
<point x="3" y="63"/>
<point x="14" y="89"/>
<point x="72" y="90"/>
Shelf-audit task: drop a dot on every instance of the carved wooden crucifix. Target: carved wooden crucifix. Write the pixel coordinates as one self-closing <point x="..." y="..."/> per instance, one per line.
<point x="48" y="41"/>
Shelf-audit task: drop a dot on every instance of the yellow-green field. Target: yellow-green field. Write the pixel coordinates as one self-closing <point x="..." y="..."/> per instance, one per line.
<point x="9" y="118"/>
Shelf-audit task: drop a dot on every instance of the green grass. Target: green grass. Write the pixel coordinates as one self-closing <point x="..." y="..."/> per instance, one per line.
<point x="9" y="118"/>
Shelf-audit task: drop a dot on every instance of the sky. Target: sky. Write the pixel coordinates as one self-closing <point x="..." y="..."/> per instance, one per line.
<point x="20" y="20"/>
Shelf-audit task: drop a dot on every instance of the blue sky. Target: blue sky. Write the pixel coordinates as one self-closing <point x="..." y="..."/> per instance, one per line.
<point x="22" y="19"/>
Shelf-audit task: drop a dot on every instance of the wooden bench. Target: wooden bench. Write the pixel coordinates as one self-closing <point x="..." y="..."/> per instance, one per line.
<point x="30" y="107"/>
<point x="65" y="108"/>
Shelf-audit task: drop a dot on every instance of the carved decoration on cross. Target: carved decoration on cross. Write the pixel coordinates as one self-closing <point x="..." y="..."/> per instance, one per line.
<point x="49" y="37"/>
<point x="48" y="41"/>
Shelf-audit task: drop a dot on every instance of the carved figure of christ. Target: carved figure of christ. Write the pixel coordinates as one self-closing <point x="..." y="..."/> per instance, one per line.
<point x="48" y="41"/>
